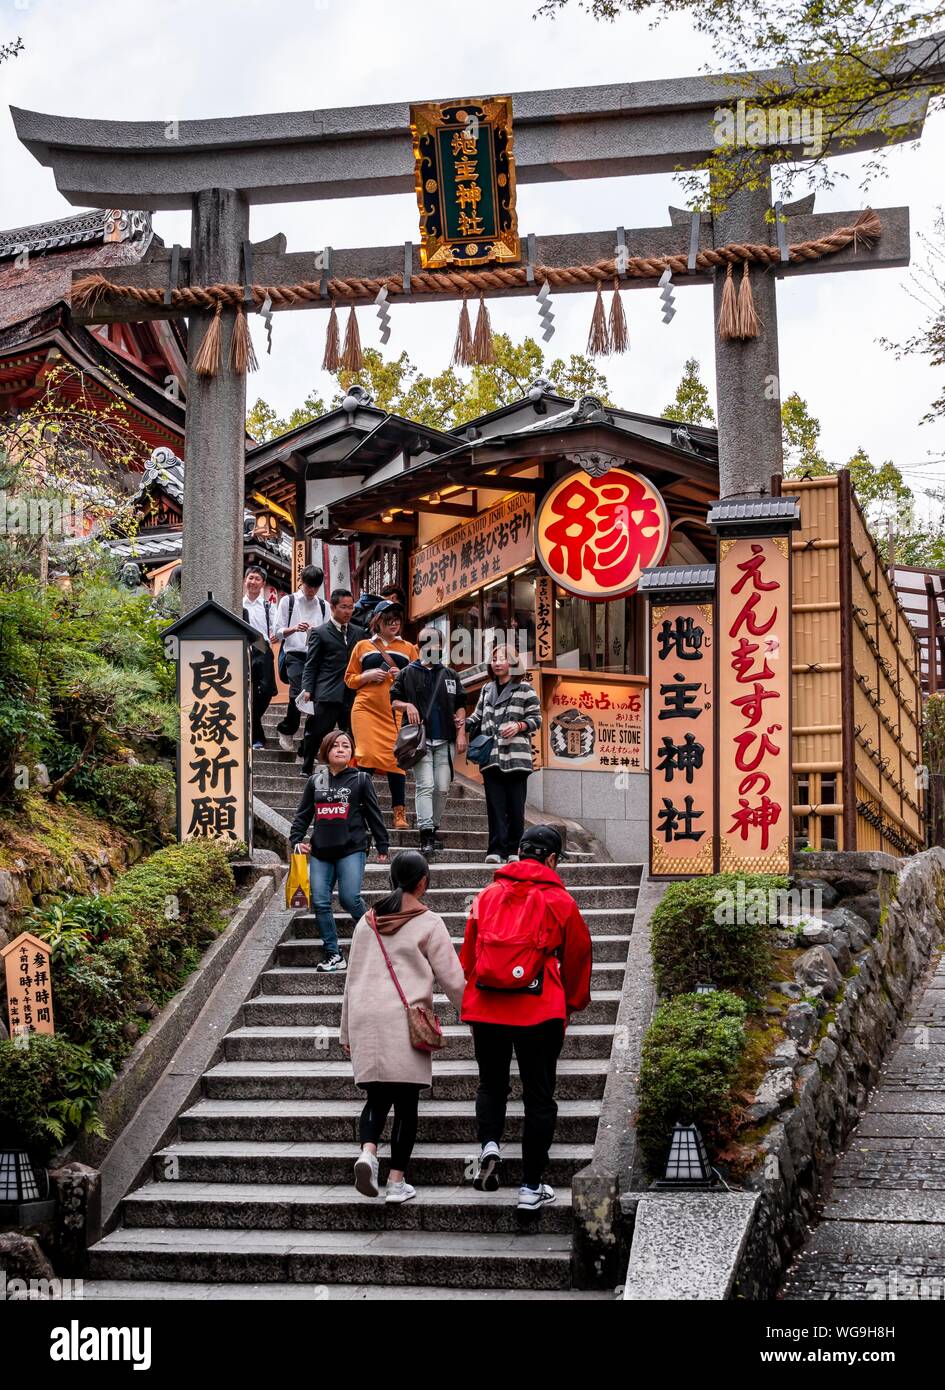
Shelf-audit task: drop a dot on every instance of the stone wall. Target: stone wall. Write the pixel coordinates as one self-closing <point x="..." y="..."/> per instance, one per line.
<point x="858" y="961"/>
<point x="617" y="816"/>
<point x="29" y="880"/>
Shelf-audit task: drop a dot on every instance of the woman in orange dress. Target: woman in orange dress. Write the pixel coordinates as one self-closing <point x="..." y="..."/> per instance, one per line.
<point x="372" y="666"/>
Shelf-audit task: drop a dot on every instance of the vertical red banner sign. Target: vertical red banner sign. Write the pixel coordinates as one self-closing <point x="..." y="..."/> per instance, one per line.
<point x="682" y="739"/>
<point x="754" y="693"/>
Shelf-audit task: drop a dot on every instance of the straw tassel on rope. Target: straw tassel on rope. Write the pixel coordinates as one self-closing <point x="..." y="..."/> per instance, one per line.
<point x="463" y="347"/>
<point x="619" y="335"/>
<point x="748" y="321"/>
<point x="352" y="359"/>
<point x="598" y="339"/>
<point x="483" y="347"/>
<point x="207" y="361"/>
<point x="242" y="352"/>
<point x="332" y="359"/>
<point x="728" y="310"/>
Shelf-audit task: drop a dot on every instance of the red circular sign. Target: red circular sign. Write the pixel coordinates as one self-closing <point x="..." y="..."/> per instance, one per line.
<point x="595" y="535"/>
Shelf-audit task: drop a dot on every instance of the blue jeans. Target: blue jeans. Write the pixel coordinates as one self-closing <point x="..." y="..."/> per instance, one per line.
<point x="349" y="874"/>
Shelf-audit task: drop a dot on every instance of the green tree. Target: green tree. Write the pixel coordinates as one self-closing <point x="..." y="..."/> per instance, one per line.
<point x="800" y="433"/>
<point x="450" y="398"/>
<point x="848" y="63"/>
<point x="690" y="405"/>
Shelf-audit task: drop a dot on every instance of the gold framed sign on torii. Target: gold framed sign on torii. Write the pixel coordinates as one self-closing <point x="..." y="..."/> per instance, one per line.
<point x="219" y="168"/>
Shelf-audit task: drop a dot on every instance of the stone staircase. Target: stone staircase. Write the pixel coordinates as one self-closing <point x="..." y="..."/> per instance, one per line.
<point x="257" y="1185"/>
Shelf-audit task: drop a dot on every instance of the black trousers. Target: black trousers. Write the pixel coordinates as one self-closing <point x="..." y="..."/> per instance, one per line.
<point x="397" y="781"/>
<point x="536" y="1050"/>
<point x="505" y="808"/>
<point x="404" y="1097"/>
<point x="263" y="673"/>
<point x="295" y="665"/>
<point x="317" y="725"/>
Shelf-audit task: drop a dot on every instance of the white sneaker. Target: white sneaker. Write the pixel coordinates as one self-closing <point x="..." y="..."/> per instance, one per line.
<point x="331" y="965"/>
<point x="365" y="1174"/>
<point x="286" y="743"/>
<point x="487" y="1174"/>
<point x="493" y="859"/>
<point x="512" y="859"/>
<point x="531" y="1198"/>
<point x="399" y="1191"/>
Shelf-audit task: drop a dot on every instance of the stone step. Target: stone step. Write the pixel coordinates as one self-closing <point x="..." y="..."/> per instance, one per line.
<point x="286" y="981"/>
<point x="601" y="921"/>
<point x="322" y="1044"/>
<point x="459" y="899"/>
<point x="574" y="873"/>
<point x="456" y="1080"/>
<point x="385" y="1257"/>
<point x="453" y="819"/>
<point x="294" y="1011"/>
<point x="336" y="1122"/>
<point x="311" y="1162"/>
<point x="610" y="946"/>
<point x="173" y="1291"/>
<point x="301" y="1207"/>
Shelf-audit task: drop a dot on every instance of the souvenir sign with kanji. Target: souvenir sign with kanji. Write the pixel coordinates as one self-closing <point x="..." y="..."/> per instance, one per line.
<point x="754" y="704"/>
<point x="473" y="554"/>
<point x="465" y="178"/>
<point x="593" y="725"/>
<point x="593" y="536"/>
<point x="29" y="985"/>
<point x="213" y="755"/>
<point x="682" y="739"/>
<point x="544" y="621"/>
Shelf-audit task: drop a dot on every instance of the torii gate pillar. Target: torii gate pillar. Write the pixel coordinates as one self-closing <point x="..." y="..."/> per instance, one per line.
<point x="215" y="429"/>
<point x="746" y="373"/>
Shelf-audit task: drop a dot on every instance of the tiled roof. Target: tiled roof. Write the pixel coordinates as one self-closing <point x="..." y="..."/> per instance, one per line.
<point x="673" y="577"/>
<point x="751" y="511"/>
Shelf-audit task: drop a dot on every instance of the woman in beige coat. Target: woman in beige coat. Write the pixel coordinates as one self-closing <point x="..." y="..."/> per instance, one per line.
<point x="374" y="1028"/>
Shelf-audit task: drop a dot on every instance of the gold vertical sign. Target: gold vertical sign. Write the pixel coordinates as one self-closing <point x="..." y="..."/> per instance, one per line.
<point x="754" y="691"/>
<point x="299" y="561"/>
<point x="214" y="773"/>
<point x="682" y="740"/>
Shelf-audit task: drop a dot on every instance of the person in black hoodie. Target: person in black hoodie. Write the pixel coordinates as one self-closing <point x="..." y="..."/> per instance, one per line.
<point x="342" y="802"/>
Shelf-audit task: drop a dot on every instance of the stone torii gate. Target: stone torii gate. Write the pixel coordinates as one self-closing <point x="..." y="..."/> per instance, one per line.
<point x="218" y="168"/>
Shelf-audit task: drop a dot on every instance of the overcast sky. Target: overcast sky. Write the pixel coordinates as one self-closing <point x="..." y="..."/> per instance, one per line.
<point x="138" y="60"/>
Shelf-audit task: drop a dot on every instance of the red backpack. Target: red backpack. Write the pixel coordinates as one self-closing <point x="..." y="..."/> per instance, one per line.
<point x="513" y="938"/>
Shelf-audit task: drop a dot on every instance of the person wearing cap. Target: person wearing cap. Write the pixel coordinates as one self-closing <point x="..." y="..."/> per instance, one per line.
<point x="372" y="668"/>
<point x="527" y="960"/>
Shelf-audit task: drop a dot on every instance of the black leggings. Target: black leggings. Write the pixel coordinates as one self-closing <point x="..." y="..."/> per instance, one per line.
<point x="397" y="781"/>
<point x="404" y="1096"/>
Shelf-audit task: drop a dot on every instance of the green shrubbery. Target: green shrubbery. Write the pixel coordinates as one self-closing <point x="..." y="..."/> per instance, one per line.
<point x="139" y="797"/>
<point x="691" y="1057"/>
<point x="693" y="942"/>
<point x="110" y="956"/>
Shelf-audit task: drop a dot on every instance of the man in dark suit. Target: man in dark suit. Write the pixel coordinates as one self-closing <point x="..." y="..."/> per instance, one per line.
<point x="327" y="654"/>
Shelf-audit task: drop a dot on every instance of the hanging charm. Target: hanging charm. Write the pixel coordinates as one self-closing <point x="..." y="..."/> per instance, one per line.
<point x="265" y="310"/>
<point x="545" y="312"/>
<point x="598" y="339"/>
<point x="332" y="359"/>
<point x="463" y="348"/>
<point x="667" y="287"/>
<point x="619" y="334"/>
<point x="242" y="353"/>
<point x="352" y="359"/>
<point x="383" y="314"/>
<point x="748" y="322"/>
<point x="207" y="361"/>
<point x="483" y="346"/>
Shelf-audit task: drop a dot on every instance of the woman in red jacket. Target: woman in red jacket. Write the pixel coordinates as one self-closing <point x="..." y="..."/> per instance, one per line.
<point x="527" y="959"/>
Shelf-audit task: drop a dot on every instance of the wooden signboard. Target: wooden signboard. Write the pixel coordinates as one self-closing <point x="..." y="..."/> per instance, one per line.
<point x="682" y="739"/>
<point x="299" y="561"/>
<point x="473" y="554"/>
<point x="591" y="723"/>
<point x="29" y="985"/>
<point x="754" y="692"/>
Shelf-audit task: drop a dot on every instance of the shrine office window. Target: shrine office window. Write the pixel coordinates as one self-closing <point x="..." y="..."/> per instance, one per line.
<point x="599" y="636"/>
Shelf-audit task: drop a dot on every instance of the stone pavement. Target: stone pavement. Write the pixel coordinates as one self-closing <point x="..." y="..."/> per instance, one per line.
<point x="883" y="1227"/>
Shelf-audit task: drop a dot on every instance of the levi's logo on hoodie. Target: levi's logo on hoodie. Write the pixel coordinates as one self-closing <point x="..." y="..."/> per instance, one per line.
<point x="331" y="810"/>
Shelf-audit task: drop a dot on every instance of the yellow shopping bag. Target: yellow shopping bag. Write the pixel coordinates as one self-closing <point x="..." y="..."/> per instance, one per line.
<point x="296" y="885"/>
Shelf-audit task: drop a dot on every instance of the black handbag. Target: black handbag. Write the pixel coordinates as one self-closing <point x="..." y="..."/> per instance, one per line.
<point x="410" y="745"/>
